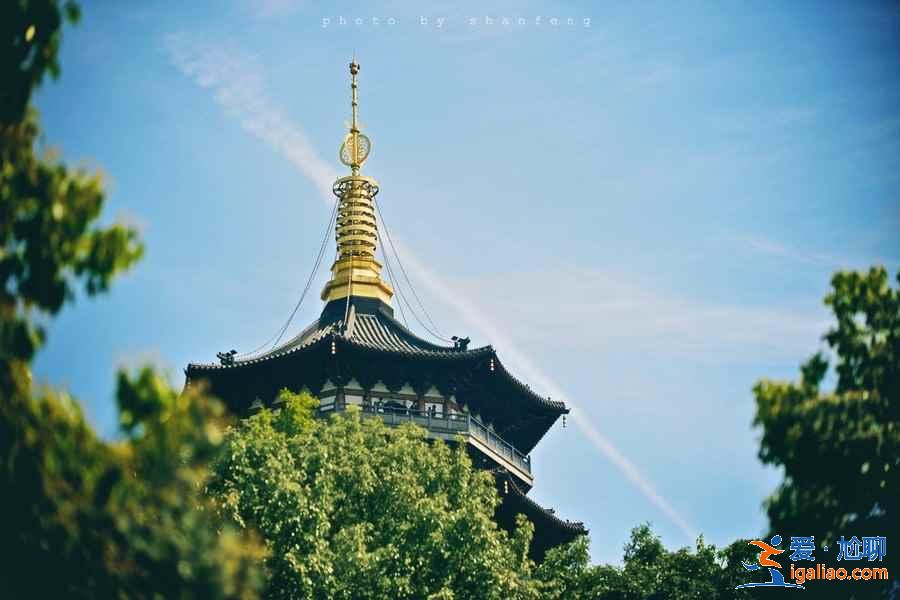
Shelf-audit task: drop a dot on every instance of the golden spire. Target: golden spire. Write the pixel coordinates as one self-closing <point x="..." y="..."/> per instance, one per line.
<point x="355" y="271"/>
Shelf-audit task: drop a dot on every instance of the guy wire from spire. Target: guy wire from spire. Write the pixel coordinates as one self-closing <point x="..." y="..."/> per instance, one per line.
<point x="403" y="300"/>
<point x="277" y="336"/>
<point x="311" y="275"/>
<point x="401" y="297"/>
<point x="394" y="284"/>
<point x="406" y="277"/>
<point x="349" y="292"/>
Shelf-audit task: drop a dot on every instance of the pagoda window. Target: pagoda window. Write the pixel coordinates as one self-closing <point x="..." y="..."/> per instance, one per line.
<point x="327" y="395"/>
<point x="353" y="393"/>
<point x="379" y="394"/>
<point x="433" y="402"/>
<point x="328" y="390"/>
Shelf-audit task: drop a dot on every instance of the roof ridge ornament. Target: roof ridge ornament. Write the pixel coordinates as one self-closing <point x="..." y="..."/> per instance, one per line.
<point x="460" y="343"/>
<point x="226" y="358"/>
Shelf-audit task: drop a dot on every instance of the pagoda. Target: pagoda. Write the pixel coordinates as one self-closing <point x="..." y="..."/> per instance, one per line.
<point x="357" y="354"/>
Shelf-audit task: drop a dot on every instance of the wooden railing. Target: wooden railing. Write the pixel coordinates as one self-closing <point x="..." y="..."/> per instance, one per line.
<point x="449" y="424"/>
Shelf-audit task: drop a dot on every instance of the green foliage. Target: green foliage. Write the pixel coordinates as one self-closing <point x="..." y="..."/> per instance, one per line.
<point x="81" y="517"/>
<point x="350" y="508"/>
<point x="566" y="572"/>
<point x="30" y="35"/>
<point x="344" y="508"/>
<point x="840" y="450"/>
<point x="48" y="240"/>
<point x="121" y="520"/>
<point x="649" y="571"/>
<point x="145" y="398"/>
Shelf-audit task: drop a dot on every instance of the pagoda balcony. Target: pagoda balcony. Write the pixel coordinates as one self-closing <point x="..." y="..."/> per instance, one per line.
<point x="450" y="426"/>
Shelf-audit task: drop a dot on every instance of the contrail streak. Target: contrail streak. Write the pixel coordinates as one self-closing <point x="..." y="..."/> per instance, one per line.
<point x="237" y="83"/>
<point x="238" y="86"/>
<point x="476" y="319"/>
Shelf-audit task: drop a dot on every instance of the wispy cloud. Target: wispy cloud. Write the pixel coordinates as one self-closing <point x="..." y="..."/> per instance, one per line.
<point x="518" y="361"/>
<point x="772" y="247"/>
<point x="845" y="258"/>
<point x="603" y="309"/>
<point x="237" y="82"/>
<point x="238" y="86"/>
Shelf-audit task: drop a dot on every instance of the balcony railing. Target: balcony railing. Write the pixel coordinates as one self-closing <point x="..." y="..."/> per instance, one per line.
<point x="448" y="424"/>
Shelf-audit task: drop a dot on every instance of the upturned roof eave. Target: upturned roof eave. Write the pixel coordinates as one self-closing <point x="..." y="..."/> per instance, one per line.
<point x="428" y="354"/>
<point x="532" y="507"/>
<point x="453" y="355"/>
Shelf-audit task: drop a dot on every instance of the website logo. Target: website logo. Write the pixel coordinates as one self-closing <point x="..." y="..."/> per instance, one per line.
<point x="776" y="579"/>
<point x="803" y="548"/>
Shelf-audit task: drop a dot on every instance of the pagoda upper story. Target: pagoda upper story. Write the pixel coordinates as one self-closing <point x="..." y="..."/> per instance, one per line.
<point x="357" y="354"/>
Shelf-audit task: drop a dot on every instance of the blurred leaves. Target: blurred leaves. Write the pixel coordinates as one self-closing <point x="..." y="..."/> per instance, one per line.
<point x="840" y="450"/>
<point x="144" y="398"/>
<point x="117" y="520"/>
<point x="30" y="33"/>
<point x="82" y="517"/>
<point x="49" y="241"/>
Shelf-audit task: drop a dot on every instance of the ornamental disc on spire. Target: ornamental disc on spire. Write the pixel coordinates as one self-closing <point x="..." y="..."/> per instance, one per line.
<point x="355" y="149"/>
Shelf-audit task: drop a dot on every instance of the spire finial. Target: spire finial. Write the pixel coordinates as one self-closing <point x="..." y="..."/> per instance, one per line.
<point x="356" y="146"/>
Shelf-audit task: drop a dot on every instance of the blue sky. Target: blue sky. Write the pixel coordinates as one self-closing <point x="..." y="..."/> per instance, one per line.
<point x="641" y="211"/>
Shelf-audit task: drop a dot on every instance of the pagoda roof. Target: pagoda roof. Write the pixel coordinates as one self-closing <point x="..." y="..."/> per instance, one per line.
<point x="371" y="326"/>
<point x="549" y="529"/>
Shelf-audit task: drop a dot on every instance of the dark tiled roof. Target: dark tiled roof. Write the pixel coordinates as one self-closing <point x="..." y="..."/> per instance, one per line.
<point x="526" y="389"/>
<point x="382" y="332"/>
<point x="375" y="330"/>
<point x="532" y="508"/>
<point x="549" y="530"/>
<point x="371" y="325"/>
<point x="308" y="337"/>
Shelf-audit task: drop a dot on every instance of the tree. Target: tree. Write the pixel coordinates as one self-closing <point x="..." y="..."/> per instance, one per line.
<point x="649" y="571"/>
<point x="353" y="509"/>
<point x="86" y="518"/>
<point x="83" y="517"/>
<point x="31" y="32"/>
<point x="840" y="449"/>
<point x="48" y="241"/>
